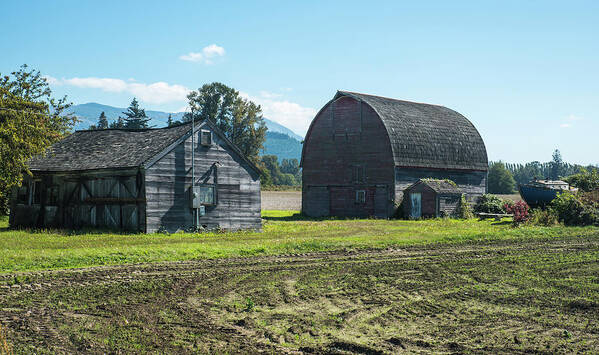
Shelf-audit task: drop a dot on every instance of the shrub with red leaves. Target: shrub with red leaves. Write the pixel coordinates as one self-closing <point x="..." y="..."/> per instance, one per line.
<point x="520" y="210"/>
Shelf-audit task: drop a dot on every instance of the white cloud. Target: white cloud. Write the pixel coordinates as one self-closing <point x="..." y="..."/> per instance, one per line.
<point x="206" y="55"/>
<point x="570" y="121"/>
<point x="269" y="95"/>
<point x="159" y="93"/>
<point x="106" y="84"/>
<point x="290" y="114"/>
<point x="155" y="93"/>
<point x="50" y="79"/>
<point x="574" y="118"/>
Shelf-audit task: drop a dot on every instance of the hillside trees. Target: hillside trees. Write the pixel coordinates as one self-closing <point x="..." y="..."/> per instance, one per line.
<point x="102" y="122"/>
<point x="554" y="169"/>
<point x="135" y="116"/>
<point x="30" y="121"/>
<point x="500" y="179"/>
<point x="286" y="174"/>
<point x="239" y="119"/>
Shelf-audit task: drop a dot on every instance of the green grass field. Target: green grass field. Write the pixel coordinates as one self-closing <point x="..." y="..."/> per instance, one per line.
<point x="284" y="232"/>
<point x="382" y="287"/>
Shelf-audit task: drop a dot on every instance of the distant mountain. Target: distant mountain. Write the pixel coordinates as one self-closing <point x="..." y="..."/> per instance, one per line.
<point x="280" y="140"/>
<point x="89" y="113"/>
<point x="275" y="127"/>
<point x="282" y="145"/>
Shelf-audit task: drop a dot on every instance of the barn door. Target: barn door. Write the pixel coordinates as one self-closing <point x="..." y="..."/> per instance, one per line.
<point x="416" y="204"/>
<point x="380" y="202"/>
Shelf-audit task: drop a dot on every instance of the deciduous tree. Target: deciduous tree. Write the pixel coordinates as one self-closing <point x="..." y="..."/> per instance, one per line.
<point x="239" y="119"/>
<point x="30" y="121"/>
<point x="500" y="179"/>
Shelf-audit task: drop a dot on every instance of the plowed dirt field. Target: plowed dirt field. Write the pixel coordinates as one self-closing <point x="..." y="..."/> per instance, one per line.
<point x="511" y="296"/>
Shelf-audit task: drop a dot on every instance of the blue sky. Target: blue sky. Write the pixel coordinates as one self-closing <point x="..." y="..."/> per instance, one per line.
<point x="526" y="73"/>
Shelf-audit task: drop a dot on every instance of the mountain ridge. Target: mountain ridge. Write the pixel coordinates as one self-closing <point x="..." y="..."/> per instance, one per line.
<point x="280" y="140"/>
<point x="88" y="114"/>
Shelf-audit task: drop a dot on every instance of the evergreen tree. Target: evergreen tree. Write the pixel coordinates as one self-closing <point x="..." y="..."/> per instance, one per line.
<point x="556" y="165"/>
<point x="119" y="123"/>
<point x="239" y="119"/>
<point x="169" y="121"/>
<point x="102" y="121"/>
<point x="136" y="117"/>
<point x="500" y="179"/>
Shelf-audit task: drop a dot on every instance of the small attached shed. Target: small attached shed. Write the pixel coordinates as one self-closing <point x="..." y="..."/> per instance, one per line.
<point x="432" y="198"/>
<point x="140" y="181"/>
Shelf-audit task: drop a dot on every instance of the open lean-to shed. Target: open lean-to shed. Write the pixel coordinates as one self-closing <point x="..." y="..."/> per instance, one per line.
<point x="362" y="151"/>
<point x="432" y="198"/>
<point x="140" y="180"/>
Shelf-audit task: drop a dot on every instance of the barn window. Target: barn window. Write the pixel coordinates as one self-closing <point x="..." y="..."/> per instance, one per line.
<point x="206" y="138"/>
<point x="23" y="195"/>
<point x="358" y="174"/>
<point x="36" y="193"/>
<point x="207" y="195"/>
<point x="361" y="196"/>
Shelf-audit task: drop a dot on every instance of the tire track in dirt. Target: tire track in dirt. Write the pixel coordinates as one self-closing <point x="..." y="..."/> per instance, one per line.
<point x="190" y="272"/>
<point x="105" y="275"/>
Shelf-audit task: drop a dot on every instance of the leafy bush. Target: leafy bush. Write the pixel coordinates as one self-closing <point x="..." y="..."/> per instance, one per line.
<point x="465" y="211"/>
<point x="585" y="180"/>
<point x="4" y="203"/>
<point x="488" y="203"/>
<point x="576" y="209"/>
<point x="519" y="210"/>
<point x="543" y="217"/>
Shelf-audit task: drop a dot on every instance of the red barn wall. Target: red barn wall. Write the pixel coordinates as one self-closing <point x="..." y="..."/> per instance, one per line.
<point x="344" y="134"/>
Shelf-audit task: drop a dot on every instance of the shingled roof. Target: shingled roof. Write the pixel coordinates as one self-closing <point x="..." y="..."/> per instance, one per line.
<point x="429" y="136"/>
<point x="107" y="148"/>
<point x="440" y="186"/>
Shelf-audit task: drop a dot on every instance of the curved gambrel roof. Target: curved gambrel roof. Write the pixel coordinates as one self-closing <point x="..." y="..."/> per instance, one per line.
<point x="428" y="136"/>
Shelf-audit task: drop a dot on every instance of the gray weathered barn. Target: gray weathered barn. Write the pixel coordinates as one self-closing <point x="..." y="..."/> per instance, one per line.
<point x="362" y="151"/>
<point x="140" y="180"/>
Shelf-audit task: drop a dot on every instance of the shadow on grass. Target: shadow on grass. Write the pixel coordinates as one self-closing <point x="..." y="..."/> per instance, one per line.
<point x="502" y="222"/>
<point x="293" y="217"/>
<point x="302" y="217"/>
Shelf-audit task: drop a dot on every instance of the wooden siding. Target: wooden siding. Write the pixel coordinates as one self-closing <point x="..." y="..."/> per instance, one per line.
<point x="104" y="199"/>
<point x="448" y="205"/>
<point x="168" y="182"/>
<point x="472" y="183"/>
<point x="347" y="136"/>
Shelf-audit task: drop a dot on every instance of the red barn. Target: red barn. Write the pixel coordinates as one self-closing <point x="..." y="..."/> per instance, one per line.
<point x="362" y="151"/>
